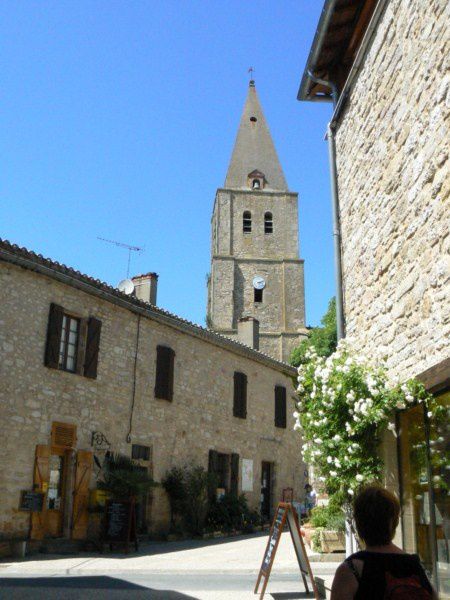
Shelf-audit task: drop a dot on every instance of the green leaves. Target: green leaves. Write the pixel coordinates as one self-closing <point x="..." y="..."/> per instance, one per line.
<point x="344" y="406"/>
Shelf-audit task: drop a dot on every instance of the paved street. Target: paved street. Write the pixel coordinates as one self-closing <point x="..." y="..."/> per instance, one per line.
<point x="200" y="570"/>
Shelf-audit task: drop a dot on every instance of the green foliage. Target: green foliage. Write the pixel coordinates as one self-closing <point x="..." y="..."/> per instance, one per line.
<point x="123" y="478"/>
<point x="322" y="339"/>
<point x="328" y="517"/>
<point x="173" y="483"/>
<point x="232" y="513"/>
<point x="188" y="489"/>
<point x="344" y="405"/>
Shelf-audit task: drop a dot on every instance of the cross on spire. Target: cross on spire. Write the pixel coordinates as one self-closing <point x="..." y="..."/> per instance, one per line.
<point x="251" y="71"/>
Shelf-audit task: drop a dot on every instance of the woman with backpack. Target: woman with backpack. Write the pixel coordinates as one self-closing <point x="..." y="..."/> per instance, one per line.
<point x="383" y="570"/>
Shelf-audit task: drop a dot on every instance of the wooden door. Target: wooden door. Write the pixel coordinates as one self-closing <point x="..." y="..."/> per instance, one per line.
<point x="266" y="489"/>
<point x="40" y="484"/>
<point x="80" y="516"/>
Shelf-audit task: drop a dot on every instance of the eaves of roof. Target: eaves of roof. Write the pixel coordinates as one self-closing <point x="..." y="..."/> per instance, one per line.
<point x="27" y="259"/>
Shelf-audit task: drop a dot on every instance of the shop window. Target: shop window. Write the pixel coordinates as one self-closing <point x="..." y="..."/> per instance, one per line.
<point x="280" y="406"/>
<point x="72" y="342"/>
<point x="424" y="468"/>
<point x="268" y="222"/>
<point x="165" y="358"/>
<point x="224" y="468"/>
<point x="240" y="395"/>
<point x="247" y="222"/>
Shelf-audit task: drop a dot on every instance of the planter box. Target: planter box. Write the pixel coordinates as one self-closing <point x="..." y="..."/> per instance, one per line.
<point x="332" y="541"/>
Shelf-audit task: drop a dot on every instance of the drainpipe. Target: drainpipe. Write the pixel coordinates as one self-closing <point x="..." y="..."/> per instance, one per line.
<point x="335" y="210"/>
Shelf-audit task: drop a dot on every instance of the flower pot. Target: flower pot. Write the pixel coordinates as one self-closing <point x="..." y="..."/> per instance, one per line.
<point x="332" y="541"/>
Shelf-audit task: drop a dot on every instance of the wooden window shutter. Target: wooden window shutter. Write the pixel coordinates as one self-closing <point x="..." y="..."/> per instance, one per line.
<point x="165" y="358"/>
<point x="40" y="484"/>
<point x="213" y="467"/>
<point x="54" y="327"/>
<point x="234" y="478"/>
<point x="280" y="406"/>
<point x="92" y="347"/>
<point x="64" y="435"/>
<point x="240" y="395"/>
<point x="80" y="515"/>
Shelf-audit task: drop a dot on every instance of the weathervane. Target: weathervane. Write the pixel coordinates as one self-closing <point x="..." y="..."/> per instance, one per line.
<point x="251" y="71"/>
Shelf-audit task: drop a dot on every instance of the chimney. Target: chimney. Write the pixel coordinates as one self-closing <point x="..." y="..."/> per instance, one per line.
<point x="145" y="287"/>
<point x="248" y="332"/>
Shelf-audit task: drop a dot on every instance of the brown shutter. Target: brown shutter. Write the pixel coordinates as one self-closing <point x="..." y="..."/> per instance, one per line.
<point x="280" y="406"/>
<point x="234" y="478"/>
<point x="81" y="349"/>
<point x="92" y="347"/>
<point x="165" y="358"/>
<point x="54" y="327"/>
<point x="64" y="435"/>
<point x="213" y="465"/>
<point x="80" y="515"/>
<point x="40" y="484"/>
<point x="240" y="395"/>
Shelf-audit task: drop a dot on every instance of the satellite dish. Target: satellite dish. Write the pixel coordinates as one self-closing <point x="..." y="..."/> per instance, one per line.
<point x="126" y="286"/>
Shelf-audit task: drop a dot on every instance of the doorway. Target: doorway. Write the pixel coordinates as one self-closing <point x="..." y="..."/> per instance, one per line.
<point x="266" y="490"/>
<point x="57" y="466"/>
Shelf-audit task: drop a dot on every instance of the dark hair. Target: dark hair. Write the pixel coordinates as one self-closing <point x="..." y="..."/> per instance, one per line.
<point x="376" y="513"/>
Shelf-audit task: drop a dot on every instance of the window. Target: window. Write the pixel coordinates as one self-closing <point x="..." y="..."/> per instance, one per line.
<point x="268" y="223"/>
<point x="256" y="184"/>
<point x="225" y="468"/>
<point x="257" y="295"/>
<point x="165" y="358"/>
<point x="72" y="342"/>
<point x="69" y="343"/>
<point x="247" y="222"/>
<point x="280" y="406"/>
<point x="139" y="452"/>
<point x="240" y="395"/>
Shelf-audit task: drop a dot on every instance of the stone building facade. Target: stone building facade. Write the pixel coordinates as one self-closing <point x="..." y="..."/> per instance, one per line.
<point x="255" y="266"/>
<point x="61" y="406"/>
<point x="392" y="141"/>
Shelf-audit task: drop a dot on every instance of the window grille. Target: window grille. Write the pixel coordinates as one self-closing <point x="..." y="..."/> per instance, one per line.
<point x="268" y="223"/>
<point x="247" y="222"/>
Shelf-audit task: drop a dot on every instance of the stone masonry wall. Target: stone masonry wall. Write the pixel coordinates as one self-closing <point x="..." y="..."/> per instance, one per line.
<point x="392" y="148"/>
<point x="200" y="417"/>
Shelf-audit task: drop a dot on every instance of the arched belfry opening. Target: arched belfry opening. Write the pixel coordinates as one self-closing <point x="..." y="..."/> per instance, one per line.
<point x="256" y="180"/>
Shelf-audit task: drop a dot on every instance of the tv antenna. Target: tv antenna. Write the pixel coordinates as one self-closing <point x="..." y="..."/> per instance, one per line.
<point x="127" y="246"/>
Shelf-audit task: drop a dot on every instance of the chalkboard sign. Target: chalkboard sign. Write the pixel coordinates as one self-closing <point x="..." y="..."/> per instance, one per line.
<point x="120" y="522"/>
<point x="31" y="501"/>
<point x="285" y="513"/>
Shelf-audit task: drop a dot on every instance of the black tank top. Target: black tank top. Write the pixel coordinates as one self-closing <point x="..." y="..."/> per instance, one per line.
<point x="372" y="582"/>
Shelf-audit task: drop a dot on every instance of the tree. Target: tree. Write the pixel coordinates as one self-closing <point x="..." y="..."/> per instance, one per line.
<point x="322" y="339"/>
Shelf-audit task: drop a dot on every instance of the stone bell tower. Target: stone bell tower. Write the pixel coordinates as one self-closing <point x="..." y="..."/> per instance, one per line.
<point x="255" y="266"/>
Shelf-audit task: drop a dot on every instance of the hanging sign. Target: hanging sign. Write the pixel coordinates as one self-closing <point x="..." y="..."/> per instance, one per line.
<point x="285" y="514"/>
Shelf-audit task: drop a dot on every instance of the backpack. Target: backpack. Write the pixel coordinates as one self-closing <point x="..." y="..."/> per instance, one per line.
<point x="405" y="588"/>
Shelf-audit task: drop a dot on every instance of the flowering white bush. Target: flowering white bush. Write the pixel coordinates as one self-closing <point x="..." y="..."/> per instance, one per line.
<point x="343" y="407"/>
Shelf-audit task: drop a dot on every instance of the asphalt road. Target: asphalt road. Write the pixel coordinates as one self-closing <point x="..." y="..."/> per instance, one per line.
<point x="224" y="569"/>
<point x="176" y="586"/>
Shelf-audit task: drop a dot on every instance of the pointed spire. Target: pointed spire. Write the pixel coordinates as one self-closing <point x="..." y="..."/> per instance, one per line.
<point x="254" y="149"/>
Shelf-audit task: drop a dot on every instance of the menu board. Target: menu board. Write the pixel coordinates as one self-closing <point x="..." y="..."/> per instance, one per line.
<point x="285" y="514"/>
<point x="120" y="523"/>
<point x="32" y="501"/>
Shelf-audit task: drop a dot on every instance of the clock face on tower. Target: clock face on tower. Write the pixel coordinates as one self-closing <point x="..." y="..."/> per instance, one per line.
<point x="259" y="283"/>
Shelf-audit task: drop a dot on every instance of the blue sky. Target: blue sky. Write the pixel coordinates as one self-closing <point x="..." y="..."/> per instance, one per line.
<point x="118" y="120"/>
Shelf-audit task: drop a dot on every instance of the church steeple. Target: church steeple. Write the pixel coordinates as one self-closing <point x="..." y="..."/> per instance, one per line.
<point x="254" y="150"/>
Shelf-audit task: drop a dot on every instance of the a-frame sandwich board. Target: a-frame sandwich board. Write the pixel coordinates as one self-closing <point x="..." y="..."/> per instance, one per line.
<point x="285" y="513"/>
